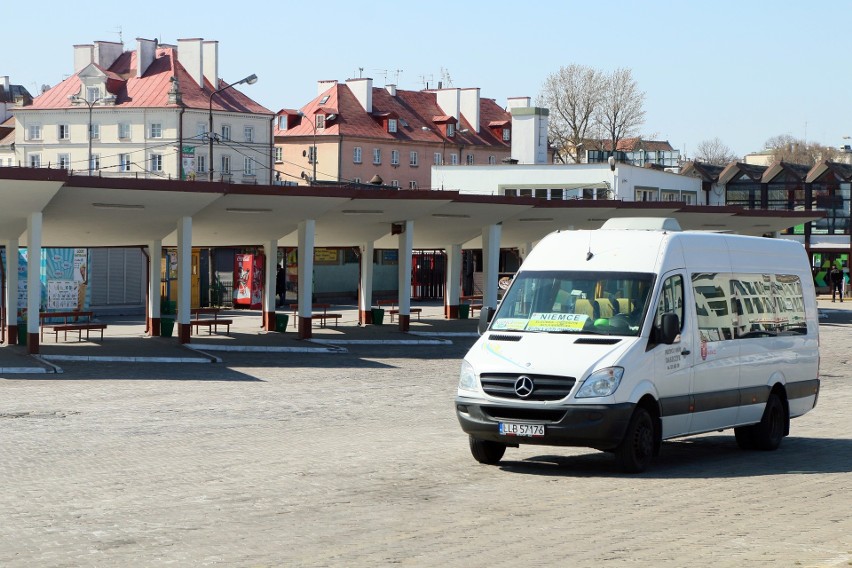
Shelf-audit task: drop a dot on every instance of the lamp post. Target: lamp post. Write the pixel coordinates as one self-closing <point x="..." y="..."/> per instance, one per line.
<point x="611" y="161"/>
<point x="251" y="80"/>
<point x="79" y="99"/>
<point x="313" y="146"/>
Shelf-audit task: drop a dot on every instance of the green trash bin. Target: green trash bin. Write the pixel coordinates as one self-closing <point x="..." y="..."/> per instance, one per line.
<point x="464" y="311"/>
<point x="378" y="316"/>
<point x="281" y="322"/>
<point x="167" y="327"/>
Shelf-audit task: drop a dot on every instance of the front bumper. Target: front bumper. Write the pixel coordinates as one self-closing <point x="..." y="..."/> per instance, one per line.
<point x="593" y="426"/>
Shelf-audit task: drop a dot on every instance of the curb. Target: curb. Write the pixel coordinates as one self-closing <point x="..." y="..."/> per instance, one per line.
<point x="269" y="349"/>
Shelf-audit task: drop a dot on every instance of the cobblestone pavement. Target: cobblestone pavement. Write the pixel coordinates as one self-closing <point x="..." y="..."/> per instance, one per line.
<point x="357" y="459"/>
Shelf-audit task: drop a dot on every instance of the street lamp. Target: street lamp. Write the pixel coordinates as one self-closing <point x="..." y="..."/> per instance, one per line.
<point x="250" y="80"/>
<point x="314" y="146"/>
<point x="79" y="99"/>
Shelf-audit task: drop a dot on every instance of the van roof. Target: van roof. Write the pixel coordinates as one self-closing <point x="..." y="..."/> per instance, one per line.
<point x="642" y="224"/>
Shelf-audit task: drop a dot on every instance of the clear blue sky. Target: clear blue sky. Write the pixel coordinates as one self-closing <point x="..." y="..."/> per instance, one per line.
<point x="741" y="71"/>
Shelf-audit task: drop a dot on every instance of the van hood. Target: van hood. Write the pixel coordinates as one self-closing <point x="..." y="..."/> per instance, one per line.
<point x="547" y="353"/>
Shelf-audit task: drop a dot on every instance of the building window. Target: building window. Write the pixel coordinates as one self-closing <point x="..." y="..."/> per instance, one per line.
<point x="279" y="154"/>
<point x="689" y="197"/>
<point x="64" y="132"/>
<point x="394" y="157"/>
<point x="646" y="194"/>
<point x="377" y="155"/>
<point x="92" y="94"/>
<point x="507" y="134"/>
<point x="320" y="121"/>
<point x="200" y="129"/>
<point x="64" y="161"/>
<point x="438" y="159"/>
<point x="124" y="162"/>
<point x="248" y="132"/>
<point x="156" y="130"/>
<point x="454" y="159"/>
<point x="394" y="183"/>
<point x="249" y="167"/>
<point x="34" y="132"/>
<point x="492" y="160"/>
<point x="156" y="162"/>
<point x="226" y="165"/>
<point x="412" y="184"/>
<point x="226" y="132"/>
<point x="96" y="131"/>
<point x="356" y="180"/>
<point x="412" y="159"/>
<point x="312" y="154"/>
<point x="468" y="159"/>
<point x="35" y="160"/>
<point x="95" y="162"/>
<point x="201" y="163"/>
<point x="451" y="130"/>
<point x="392" y="125"/>
<point x="124" y="131"/>
<point x="356" y="155"/>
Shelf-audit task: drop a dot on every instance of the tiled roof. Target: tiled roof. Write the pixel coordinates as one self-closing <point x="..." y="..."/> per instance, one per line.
<point x="7" y="131"/>
<point x="152" y="89"/>
<point x="14" y="92"/>
<point x="633" y="144"/>
<point x="416" y="110"/>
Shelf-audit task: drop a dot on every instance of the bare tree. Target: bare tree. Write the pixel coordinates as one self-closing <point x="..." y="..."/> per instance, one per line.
<point x="572" y="94"/>
<point x="715" y="152"/>
<point x="621" y="112"/>
<point x="786" y="148"/>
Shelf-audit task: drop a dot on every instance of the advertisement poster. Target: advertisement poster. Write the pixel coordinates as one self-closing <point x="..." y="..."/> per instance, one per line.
<point x="188" y="162"/>
<point x="248" y="279"/>
<point x="64" y="276"/>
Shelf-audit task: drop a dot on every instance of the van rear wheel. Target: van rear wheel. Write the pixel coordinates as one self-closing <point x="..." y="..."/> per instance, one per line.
<point x="485" y="451"/>
<point x="769" y="432"/>
<point x="636" y="450"/>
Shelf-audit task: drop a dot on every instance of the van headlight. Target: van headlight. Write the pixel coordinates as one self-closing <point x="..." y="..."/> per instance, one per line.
<point x="467" y="377"/>
<point x="602" y="382"/>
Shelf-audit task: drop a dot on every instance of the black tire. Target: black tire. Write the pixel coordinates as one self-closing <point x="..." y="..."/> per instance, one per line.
<point x="636" y="450"/>
<point x="771" y="429"/>
<point x="484" y="451"/>
<point x="745" y="437"/>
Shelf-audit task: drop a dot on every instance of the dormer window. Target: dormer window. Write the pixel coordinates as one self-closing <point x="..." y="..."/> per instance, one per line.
<point x="92" y="94"/>
<point x="320" y="121"/>
<point x="451" y="130"/>
<point x="392" y="125"/>
<point x="507" y="134"/>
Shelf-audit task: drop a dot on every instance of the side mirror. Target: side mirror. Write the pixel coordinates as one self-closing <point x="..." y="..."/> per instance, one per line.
<point x="669" y="328"/>
<point x="486" y="314"/>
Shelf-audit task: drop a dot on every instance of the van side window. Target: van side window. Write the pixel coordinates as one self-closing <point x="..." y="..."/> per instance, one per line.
<point x="671" y="299"/>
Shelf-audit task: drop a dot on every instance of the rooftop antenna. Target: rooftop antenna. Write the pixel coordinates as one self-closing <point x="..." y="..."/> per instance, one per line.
<point x="360" y="72"/>
<point x="445" y="75"/>
<point x="120" y="35"/>
<point x="426" y="79"/>
<point x="396" y="76"/>
<point x="384" y="73"/>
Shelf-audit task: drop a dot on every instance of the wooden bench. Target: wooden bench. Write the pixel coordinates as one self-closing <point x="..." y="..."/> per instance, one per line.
<point x="319" y="312"/>
<point x="211" y="323"/>
<point x="393" y="310"/>
<point x="75" y="320"/>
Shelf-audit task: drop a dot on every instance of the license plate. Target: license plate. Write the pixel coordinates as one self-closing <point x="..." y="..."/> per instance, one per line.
<point x="527" y="430"/>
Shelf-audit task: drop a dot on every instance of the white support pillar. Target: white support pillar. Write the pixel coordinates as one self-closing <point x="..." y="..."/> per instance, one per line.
<point x="307" y="230"/>
<point x="365" y="288"/>
<point x="34" y="222"/>
<point x="270" y="250"/>
<point x="490" y="263"/>
<point x="155" y="255"/>
<point x="406" y="242"/>
<point x="184" y="261"/>
<point x="11" y="299"/>
<point x="452" y="286"/>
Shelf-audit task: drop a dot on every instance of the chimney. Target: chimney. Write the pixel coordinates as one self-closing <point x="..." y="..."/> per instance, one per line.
<point x="324" y="85"/>
<point x="189" y="55"/>
<point x="83" y="55"/>
<point x="363" y="91"/>
<point x="449" y="101"/>
<point x="470" y="106"/>
<point x="106" y="52"/>
<point x="391" y="89"/>
<point x="146" y="50"/>
<point x="529" y="134"/>
<point x="517" y="102"/>
<point x="4" y="83"/>
<point x="210" y="61"/>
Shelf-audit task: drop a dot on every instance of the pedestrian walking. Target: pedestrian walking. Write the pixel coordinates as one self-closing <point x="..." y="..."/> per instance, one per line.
<point x="835" y="278"/>
<point x="280" y="286"/>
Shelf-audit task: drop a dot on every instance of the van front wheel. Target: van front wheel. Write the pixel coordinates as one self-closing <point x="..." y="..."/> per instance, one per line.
<point x="484" y="451"/>
<point x="636" y="450"/>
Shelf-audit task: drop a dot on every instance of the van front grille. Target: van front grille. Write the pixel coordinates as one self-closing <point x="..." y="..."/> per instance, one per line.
<point x="544" y="387"/>
<point x="530" y="414"/>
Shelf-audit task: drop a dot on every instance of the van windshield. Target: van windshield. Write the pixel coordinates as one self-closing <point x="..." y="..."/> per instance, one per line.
<point x="608" y="303"/>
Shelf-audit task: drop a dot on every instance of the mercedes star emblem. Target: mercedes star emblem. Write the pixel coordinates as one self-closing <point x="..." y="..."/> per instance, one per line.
<point x="524" y="386"/>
